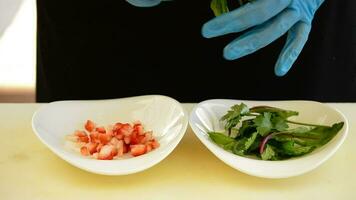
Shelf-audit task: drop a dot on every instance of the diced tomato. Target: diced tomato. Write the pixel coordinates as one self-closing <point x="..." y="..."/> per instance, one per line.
<point x="89" y="126"/>
<point x="138" y="149"/>
<point x="84" y="151"/>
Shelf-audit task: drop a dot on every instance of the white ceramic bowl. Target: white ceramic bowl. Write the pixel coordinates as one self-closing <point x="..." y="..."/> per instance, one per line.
<point x="205" y="117"/>
<point x="163" y="115"/>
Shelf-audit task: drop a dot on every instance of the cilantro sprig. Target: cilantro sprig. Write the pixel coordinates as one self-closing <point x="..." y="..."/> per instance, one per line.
<point x="264" y="132"/>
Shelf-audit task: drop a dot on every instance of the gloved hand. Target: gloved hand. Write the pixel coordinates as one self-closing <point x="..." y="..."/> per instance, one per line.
<point x="270" y="19"/>
<point x="144" y="3"/>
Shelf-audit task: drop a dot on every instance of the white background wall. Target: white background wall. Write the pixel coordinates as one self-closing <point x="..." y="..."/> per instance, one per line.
<point x="17" y="50"/>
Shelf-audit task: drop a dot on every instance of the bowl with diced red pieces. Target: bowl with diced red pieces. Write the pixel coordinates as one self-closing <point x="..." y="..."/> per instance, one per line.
<point x="112" y="137"/>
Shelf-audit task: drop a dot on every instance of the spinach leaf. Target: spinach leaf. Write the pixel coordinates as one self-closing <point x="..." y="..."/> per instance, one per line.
<point x="220" y="138"/>
<point x="316" y="137"/>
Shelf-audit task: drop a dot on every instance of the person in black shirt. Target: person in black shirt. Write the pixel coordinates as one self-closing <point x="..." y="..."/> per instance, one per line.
<point x="111" y="49"/>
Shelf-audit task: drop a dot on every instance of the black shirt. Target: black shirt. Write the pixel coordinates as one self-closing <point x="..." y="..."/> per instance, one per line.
<point x="110" y="49"/>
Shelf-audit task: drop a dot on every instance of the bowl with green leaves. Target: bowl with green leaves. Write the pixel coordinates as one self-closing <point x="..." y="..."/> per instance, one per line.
<point x="269" y="139"/>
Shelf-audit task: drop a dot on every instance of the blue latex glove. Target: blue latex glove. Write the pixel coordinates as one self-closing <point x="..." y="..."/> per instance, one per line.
<point x="144" y="3"/>
<point x="269" y="20"/>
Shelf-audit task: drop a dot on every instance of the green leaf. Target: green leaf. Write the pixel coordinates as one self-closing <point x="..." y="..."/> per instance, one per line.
<point x="256" y="144"/>
<point x="250" y="140"/>
<point x="220" y="138"/>
<point x="279" y="123"/>
<point x="234" y="116"/>
<point x="219" y="7"/>
<point x="239" y="147"/>
<point x="268" y="153"/>
<point x="310" y="137"/>
<point x="247" y="127"/>
<point x="278" y="111"/>
<point x="229" y="146"/>
<point x="263" y="123"/>
<point x="293" y="149"/>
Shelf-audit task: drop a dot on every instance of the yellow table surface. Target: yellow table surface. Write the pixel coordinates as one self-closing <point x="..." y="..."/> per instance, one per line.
<point x="29" y="170"/>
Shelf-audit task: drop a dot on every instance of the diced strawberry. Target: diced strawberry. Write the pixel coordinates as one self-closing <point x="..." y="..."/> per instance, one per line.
<point x="117" y="126"/>
<point x="83" y="139"/>
<point x="92" y="147"/>
<point x="137" y="150"/>
<point x="114" y="151"/>
<point x="126" y="129"/>
<point x="84" y="151"/>
<point x="104" y="138"/>
<point x="134" y="138"/>
<point x="98" y="148"/>
<point x="137" y="122"/>
<point x="127" y="139"/>
<point x="125" y="148"/>
<point x="155" y="144"/>
<point x="89" y="126"/>
<point x="139" y="129"/>
<point x="100" y="129"/>
<point x="114" y="141"/>
<point x="94" y="136"/>
<point x="148" y="148"/>
<point x="80" y="133"/>
<point x="107" y="152"/>
<point x="110" y="132"/>
<point x="142" y="139"/>
<point x="148" y="135"/>
<point x="119" y="136"/>
<point x="120" y="148"/>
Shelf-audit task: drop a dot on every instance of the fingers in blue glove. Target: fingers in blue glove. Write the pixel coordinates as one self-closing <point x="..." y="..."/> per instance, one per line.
<point x="297" y="37"/>
<point x="261" y="35"/>
<point x="144" y="3"/>
<point x="247" y="16"/>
